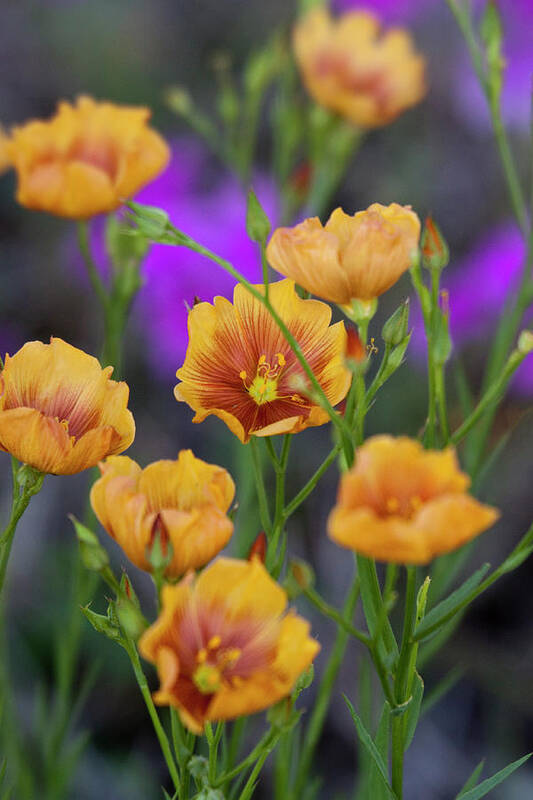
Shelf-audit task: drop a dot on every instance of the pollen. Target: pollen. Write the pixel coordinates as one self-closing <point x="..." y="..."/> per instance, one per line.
<point x="201" y="656"/>
<point x="214" y="642"/>
<point x="392" y="504"/>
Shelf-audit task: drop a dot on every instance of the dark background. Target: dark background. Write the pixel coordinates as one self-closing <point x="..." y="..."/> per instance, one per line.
<point x="440" y="158"/>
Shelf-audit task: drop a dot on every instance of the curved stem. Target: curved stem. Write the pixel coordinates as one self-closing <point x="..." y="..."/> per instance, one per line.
<point x="21" y="500"/>
<point x="154" y="716"/>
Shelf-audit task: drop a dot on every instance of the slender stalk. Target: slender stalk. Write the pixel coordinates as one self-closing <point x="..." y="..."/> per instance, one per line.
<point x="402" y="682"/>
<point x="263" y="744"/>
<point x="92" y="270"/>
<point x="20" y="502"/>
<point x="330" y="611"/>
<point x="318" y="715"/>
<point x="490" y="398"/>
<point x="291" y="507"/>
<point x="262" y="497"/>
<point x="154" y="716"/>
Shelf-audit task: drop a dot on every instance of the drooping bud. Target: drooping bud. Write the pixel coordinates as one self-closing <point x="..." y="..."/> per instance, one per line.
<point x="395" y="329"/>
<point x="259" y="548"/>
<point x="435" y="252"/>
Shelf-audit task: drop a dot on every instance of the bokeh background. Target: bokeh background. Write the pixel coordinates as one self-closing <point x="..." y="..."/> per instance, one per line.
<point x="440" y="158"/>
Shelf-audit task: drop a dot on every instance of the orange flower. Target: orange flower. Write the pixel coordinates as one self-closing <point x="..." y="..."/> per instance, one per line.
<point x="404" y="504"/>
<point x="59" y="410"/>
<point x="239" y="367"/>
<point x="184" y="501"/>
<point x="223" y="644"/>
<point x="357" y="257"/>
<point x="349" y="66"/>
<point x="86" y="159"/>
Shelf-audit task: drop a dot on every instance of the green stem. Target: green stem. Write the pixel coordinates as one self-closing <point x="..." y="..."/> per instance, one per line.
<point x="21" y="500"/>
<point x="490" y="398"/>
<point x="402" y="682"/>
<point x="291" y="507"/>
<point x="318" y="715"/>
<point x="263" y="745"/>
<point x="154" y="716"/>
<point x="262" y="497"/>
<point x="330" y="611"/>
<point x="92" y="270"/>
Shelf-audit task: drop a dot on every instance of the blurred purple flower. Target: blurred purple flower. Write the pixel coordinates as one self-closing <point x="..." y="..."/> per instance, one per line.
<point x="517" y="17"/>
<point x="211" y="208"/>
<point x="478" y="287"/>
<point x="209" y="205"/>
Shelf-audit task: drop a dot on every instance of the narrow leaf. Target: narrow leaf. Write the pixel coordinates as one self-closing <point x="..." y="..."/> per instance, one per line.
<point x="367" y="741"/>
<point x="474" y="777"/>
<point x="414" y="710"/>
<point x="376" y="790"/>
<point x="488" y="785"/>
<point x="451" y="605"/>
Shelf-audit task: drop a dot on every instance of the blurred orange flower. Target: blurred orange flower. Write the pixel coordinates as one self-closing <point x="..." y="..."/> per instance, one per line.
<point x="223" y="644"/>
<point x="59" y="410"/>
<point x="86" y="159"/>
<point x="240" y="368"/>
<point x="404" y="504"/>
<point x="351" y="257"/>
<point x="184" y="501"/>
<point x="349" y="66"/>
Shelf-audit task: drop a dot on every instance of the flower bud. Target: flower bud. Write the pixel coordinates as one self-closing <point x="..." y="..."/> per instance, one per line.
<point x="435" y="252"/>
<point x="355" y="354"/>
<point x="257" y="222"/>
<point x="130" y="617"/>
<point x="259" y="548"/>
<point x="300" y="576"/>
<point x="525" y="342"/>
<point x="93" y="555"/>
<point x="395" y="329"/>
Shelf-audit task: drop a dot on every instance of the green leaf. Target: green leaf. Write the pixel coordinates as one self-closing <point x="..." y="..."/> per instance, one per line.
<point x="474" y="777"/>
<point x="368" y="743"/>
<point x="451" y="605"/>
<point x="487" y="786"/>
<point x="522" y="551"/>
<point x="414" y="710"/>
<point x="375" y="789"/>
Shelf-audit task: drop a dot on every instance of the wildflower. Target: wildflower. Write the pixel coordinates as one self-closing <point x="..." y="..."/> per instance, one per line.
<point x="183" y="501"/>
<point x="224" y="645"/>
<point x="404" y="504"/>
<point x="240" y="368"/>
<point x="59" y="410"/>
<point x="349" y="66"/>
<point x="86" y="159"/>
<point x="351" y="257"/>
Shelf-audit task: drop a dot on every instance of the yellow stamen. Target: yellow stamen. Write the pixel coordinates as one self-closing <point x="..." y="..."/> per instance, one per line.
<point x="201" y="655"/>
<point x="214" y="642"/>
<point x="281" y="359"/>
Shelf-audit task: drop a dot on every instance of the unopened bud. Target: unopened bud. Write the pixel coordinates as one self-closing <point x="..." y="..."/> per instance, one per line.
<point x="130" y="617"/>
<point x="355" y="353"/>
<point x="259" y="548"/>
<point x="178" y="100"/>
<point x="435" y="252"/>
<point x="525" y="342"/>
<point x="300" y="576"/>
<point x="93" y="555"/>
<point x="257" y="222"/>
<point x="395" y="329"/>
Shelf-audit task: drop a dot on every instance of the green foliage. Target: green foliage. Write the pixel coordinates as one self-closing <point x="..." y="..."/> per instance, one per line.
<point x="487" y="786"/>
<point x="369" y="745"/>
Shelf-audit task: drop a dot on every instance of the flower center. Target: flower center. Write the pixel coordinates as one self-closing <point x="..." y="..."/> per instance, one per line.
<point x="264" y="387"/>
<point x="212" y="661"/>
<point x="403" y="507"/>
